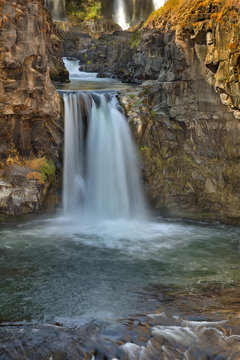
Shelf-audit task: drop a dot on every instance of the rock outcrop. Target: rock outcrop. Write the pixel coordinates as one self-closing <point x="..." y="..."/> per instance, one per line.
<point x="58" y="72"/>
<point x="187" y="120"/>
<point x="30" y="125"/>
<point x="186" y="113"/>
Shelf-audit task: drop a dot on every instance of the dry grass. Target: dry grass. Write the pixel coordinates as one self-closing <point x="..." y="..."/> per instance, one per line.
<point x="35" y="176"/>
<point x="188" y="12"/>
<point x="35" y="164"/>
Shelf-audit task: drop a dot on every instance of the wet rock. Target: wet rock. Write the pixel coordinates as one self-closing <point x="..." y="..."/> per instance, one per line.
<point x="44" y="343"/>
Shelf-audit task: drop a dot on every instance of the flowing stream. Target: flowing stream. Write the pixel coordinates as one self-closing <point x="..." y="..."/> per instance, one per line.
<point x="81" y="80"/>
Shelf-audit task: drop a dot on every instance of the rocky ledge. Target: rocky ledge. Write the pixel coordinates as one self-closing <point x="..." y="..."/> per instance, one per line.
<point x="30" y="124"/>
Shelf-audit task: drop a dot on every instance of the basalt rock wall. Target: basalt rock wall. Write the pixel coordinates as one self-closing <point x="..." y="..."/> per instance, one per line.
<point x="186" y="113"/>
<point x="187" y="121"/>
<point x="30" y="125"/>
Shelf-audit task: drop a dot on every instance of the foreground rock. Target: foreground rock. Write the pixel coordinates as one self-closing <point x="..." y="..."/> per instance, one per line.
<point x="30" y="125"/>
<point x="183" y="329"/>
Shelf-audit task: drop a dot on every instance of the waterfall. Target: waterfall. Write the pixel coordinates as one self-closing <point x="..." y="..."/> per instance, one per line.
<point x="128" y="13"/>
<point x="101" y="166"/>
<point x="120" y="14"/>
<point x="73" y="177"/>
<point x="57" y="8"/>
<point x="158" y="3"/>
<point x="73" y="66"/>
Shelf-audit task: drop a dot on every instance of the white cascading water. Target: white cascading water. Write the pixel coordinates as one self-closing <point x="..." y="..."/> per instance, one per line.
<point x="57" y="8"/>
<point x="120" y="14"/>
<point x="101" y="179"/>
<point x="73" y="179"/>
<point x="73" y="66"/>
<point x="158" y="3"/>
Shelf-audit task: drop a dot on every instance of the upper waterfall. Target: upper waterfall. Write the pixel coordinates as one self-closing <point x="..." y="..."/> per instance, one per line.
<point x="158" y="3"/>
<point x="129" y="13"/>
<point x="57" y="8"/>
<point x="101" y="166"/>
<point x="120" y="14"/>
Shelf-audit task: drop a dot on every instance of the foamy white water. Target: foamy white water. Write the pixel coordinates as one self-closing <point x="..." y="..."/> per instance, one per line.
<point x="158" y="3"/>
<point x="120" y="14"/>
<point x="191" y="339"/>
<point x="101" y="173"/>
<point x="73" y="184"/>
<point x="73" y="66"/>
<point x="113" y="188"/>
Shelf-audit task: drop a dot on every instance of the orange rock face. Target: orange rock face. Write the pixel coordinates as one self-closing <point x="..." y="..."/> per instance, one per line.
<point x="30" y="125"/>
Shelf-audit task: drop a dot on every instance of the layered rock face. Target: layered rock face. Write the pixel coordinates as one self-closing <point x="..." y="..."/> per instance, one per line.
<point x="187" y="121"/>
<point x="141" y="10"/>
<point x="58" y="72"/>
<point x="30" y="126"/>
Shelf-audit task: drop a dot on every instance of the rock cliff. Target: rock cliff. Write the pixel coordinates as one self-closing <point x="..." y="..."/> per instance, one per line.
<point x="186" y="113"/>
<point x="187" y="120"/>
<point x="58" y="72"/>
<point x="30" y="126"/>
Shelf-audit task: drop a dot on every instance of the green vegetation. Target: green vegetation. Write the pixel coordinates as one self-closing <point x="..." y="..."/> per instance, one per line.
<point x="135" y="39"/>
<point x="48" y="170"/>
<point x="84" y="10"/>
<point x="153" y="115"/>
<point x="190" y="12"/>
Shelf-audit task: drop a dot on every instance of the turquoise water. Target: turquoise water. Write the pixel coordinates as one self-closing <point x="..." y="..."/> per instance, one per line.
<point x="62" y="270"/>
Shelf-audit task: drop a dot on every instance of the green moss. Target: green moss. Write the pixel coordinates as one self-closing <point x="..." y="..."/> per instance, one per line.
<point x="88" y="10"/>
<point x="48" y="171"/>
<point x="145" y="149"/>
<point x="157" y="162"/>
<point x="188" y="160"/>
<point x="89" y="62"/>
<point x="153" y="115"/>
<point x="94" y="11"/>
<point x="171" y="164"/>
<point x="135" y="39"/>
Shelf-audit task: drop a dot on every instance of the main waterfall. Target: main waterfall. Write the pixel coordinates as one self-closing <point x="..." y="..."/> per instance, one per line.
<point x="101" y="166"/>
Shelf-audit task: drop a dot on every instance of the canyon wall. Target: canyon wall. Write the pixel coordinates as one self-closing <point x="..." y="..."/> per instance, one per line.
<point x="187" y="121"/>
<point x="186" y="114"/>
<point x="30" y="126"/>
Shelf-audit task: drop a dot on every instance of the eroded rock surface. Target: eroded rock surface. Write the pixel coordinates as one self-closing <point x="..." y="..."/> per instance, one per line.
<point x="30" y="125"/>
<point x="58" y="72"/>
<point x="187" y="120"/>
